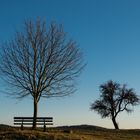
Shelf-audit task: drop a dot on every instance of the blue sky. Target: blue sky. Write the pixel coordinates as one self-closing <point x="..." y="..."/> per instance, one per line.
<point x="108" y="33"/>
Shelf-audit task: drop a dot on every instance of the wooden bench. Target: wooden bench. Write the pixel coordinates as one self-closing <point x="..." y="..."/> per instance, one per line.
<point x="42" y="121"/>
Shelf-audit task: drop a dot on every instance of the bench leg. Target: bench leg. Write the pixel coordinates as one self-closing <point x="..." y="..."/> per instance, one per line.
<point x="44" y="128"/>
<point x="22" y="126"/>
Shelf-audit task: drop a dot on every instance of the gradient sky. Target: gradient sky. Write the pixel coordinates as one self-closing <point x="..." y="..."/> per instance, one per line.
<point x="108" y="33"/>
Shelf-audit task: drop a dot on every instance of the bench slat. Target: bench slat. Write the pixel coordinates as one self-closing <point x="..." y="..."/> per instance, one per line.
<point x="32" y="118"/>
<point x="32" y="123"/>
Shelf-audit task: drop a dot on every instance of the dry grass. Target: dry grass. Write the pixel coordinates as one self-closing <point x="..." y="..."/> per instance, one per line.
<point x="69" y="133"/>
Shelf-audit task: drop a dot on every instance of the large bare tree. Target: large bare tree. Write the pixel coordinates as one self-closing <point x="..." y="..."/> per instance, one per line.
<point x="40" y="61"/>
<point x="114" y="99"/>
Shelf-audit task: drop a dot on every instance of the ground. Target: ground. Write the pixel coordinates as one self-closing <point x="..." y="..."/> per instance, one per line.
<point x="83" y="132"/>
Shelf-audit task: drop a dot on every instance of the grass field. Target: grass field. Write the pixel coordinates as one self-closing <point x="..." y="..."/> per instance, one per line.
<point x="83" y="132"/>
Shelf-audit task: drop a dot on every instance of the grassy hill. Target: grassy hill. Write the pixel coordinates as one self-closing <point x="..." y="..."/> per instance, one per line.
<point x="81" y="132"/>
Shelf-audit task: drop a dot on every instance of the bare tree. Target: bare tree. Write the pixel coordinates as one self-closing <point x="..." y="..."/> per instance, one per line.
<point x="41" y="62"/>
<point x="114" y="99"/>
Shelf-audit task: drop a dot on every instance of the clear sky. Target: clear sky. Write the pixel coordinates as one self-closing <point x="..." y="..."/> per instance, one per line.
<point x="108" y="33"/>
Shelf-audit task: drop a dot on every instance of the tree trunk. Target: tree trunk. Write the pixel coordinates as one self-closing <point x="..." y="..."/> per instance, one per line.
<point x="35" y="114"/>
<point x="115" y="123"/>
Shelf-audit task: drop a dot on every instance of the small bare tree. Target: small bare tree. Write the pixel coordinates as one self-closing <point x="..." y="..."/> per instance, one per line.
<point x="113" y="100"/>
<point x="41" y="62"/>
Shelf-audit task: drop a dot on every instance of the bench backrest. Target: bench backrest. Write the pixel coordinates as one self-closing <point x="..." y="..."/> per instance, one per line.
<point x="29" y="120"/>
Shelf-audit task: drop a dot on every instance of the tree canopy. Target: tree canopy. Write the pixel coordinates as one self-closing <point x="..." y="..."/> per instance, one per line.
<point x="114" y="99"/>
